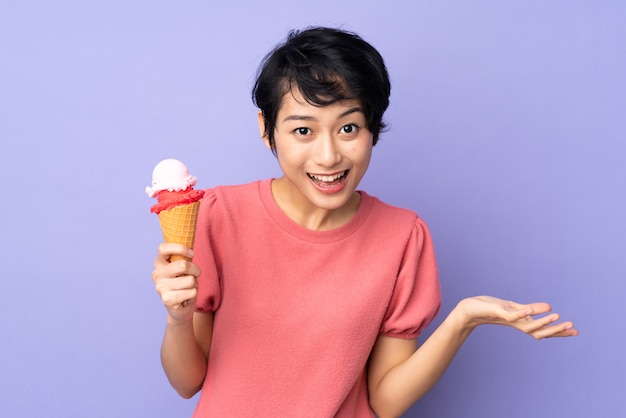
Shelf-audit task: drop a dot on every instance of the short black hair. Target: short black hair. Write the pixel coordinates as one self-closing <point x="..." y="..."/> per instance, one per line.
<point x="326" y="65"/>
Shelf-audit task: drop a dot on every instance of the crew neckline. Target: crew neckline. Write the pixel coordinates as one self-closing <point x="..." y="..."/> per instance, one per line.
<point x="303" y="233"/>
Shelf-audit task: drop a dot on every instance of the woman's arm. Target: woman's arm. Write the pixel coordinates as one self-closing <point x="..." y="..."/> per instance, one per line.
<point x="187" y="338"/>
<point x="399" y="375"/>
<point x="183" y="354"/>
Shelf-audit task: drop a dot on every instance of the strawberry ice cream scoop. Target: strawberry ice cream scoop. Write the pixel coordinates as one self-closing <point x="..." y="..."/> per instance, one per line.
<point x="169" y="200"/>
<point x="172" y="185"/>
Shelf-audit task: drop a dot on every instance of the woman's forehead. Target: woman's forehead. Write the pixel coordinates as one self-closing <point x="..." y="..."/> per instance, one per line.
<point x="294" y="103"/>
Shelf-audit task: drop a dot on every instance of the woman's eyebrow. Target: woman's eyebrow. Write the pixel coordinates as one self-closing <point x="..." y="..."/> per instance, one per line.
<point x="311" y="118"/>
<point x="298" y="117"/>
<point x="350" y="111"/>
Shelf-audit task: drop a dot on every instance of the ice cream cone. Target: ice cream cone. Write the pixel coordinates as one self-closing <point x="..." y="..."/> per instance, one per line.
<point x="179" y="225"/>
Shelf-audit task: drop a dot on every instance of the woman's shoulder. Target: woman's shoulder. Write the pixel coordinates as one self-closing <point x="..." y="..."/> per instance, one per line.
<point x="390" y="212"/>
<point x="226" y="205"/>
<point x="234" y="192"/>
<point x="395" y="222"/>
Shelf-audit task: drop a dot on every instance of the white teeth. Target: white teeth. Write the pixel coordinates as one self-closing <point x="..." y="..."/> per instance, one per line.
<point x="328" y="179"/>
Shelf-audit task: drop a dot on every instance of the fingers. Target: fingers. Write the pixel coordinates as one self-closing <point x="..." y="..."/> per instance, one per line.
<point x="516" y="311"/>
<point x="532" y="325"/>
<point x="176" y="281"/>
<point x="539" y="307"/>
<point x="175" y="269"/>
<point x="179" y="283"/>
<point x="568" y="331"/>
<point x="546" y="327"/>
<point x="177" y="292"/>
<point x="564" y="329"/>
<point x="165" y="267"/>
<point x="168" y="249"/>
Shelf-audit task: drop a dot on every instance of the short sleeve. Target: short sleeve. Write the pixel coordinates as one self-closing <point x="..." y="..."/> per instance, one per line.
<point x="416" y="298"/>
<point x="209" y="288"/>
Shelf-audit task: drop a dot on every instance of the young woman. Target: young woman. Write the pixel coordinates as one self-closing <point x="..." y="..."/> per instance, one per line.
<point x="306" y="296"/>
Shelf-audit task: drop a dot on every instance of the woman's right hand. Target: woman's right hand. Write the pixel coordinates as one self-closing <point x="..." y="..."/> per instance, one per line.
<point x="176" y="282"/>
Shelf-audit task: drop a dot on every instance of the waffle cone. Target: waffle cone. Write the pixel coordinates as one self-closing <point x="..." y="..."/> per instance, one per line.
<point x="179" y="225"/>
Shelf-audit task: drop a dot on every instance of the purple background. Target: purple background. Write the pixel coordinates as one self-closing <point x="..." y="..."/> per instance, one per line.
<point x="508" y="130"/>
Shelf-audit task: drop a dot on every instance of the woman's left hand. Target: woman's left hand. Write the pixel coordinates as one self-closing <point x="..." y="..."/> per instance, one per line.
<point x="481" y="310"/>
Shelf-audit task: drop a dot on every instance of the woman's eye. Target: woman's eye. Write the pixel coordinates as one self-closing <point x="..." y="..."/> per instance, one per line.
<point x="302" y="131"/>
<point x="348" y="129"/>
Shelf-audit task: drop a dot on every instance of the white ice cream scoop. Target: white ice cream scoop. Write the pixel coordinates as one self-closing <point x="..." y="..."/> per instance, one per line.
<point x="171" y="175"/>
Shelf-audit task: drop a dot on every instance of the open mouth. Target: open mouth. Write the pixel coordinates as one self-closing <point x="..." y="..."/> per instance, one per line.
<point x="329" y="181"/>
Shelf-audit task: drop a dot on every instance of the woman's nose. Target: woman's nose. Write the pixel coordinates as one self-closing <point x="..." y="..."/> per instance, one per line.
<point x="327" y="153"/>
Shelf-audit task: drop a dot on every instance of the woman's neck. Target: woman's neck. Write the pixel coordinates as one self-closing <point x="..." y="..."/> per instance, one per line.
<point x="300" y="210"/>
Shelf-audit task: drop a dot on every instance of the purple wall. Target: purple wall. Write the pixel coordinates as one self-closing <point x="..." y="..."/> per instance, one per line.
<point x="508" y="131"/>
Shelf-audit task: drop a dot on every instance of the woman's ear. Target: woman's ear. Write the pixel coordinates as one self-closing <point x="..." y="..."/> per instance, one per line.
<point x="262" y="130"/>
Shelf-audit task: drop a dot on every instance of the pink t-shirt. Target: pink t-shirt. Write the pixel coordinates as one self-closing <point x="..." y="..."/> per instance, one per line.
<point x="297" y="311"/>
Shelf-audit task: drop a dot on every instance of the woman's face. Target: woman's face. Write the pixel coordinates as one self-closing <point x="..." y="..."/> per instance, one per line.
<point x="323" y="152"/>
